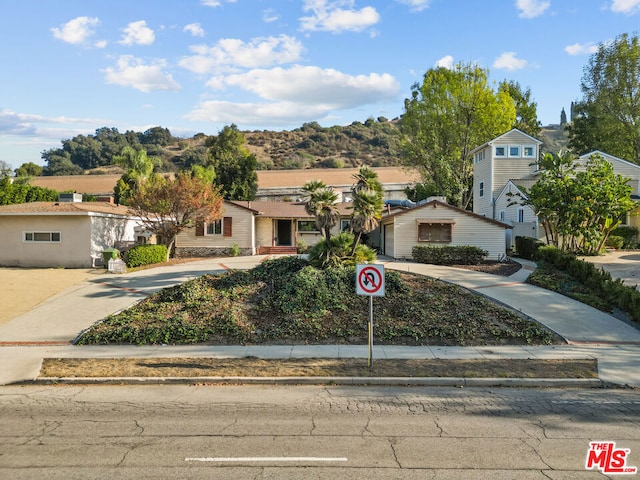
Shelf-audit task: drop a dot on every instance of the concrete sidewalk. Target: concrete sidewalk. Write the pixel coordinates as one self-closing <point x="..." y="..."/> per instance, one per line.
<point x="46" y="331"/>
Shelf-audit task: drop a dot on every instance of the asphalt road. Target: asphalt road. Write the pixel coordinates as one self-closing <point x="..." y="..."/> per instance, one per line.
<point x="240" y="432"/>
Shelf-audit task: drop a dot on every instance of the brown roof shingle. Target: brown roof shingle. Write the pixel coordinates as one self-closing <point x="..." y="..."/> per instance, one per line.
<point x="66" y="208"/>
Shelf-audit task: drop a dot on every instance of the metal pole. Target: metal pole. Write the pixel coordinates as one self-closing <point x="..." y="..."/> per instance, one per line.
<point x="370" y="362"/>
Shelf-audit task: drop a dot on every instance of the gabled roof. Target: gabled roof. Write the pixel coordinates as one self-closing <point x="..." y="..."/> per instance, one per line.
<point x="500" y="137"/>
<point x="438" y="203"/>
<point x="65" y="208"/>
<point x="608" y="156"/>
<point x="516" y="184"/>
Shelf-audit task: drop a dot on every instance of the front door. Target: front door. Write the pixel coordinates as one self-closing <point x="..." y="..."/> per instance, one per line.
<point x="283" y="233"/>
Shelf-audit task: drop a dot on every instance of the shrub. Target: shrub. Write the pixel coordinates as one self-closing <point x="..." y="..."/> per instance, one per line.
<point x="526" y="247"/>
<point x="614" y="292"/>
<point x="234" y="250"/>
<point x="146" y="255"/>
<point x="464" y="255"/>
<point x="628" y="234"/>
<point x="615" y="241"/>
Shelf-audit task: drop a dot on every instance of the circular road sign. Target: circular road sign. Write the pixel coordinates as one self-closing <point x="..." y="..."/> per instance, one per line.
<point x="370" y="280"/>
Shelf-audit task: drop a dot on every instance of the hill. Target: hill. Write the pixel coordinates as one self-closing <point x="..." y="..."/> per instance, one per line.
<point x="554" y="138"/>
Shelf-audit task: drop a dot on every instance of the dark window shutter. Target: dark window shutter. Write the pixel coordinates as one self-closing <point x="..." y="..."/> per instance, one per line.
<point x="226" y="226"/>
<point x="199" y="229"/>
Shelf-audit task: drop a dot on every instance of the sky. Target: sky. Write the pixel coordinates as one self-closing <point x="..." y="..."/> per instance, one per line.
<point x="69" y="67"/>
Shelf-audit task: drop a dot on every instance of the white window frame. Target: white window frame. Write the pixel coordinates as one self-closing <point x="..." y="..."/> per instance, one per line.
<point x="501" y="215"/>
<point x="481" y="189"/>
<point x="520" y="215"/>
<point x="345" y="224"/>
<point x="518" y="153"/>
<point x="500" y="155"/>
<point x="214" y="230"/>
<point x="533" y="151"/>
<point x="30" y="237"/>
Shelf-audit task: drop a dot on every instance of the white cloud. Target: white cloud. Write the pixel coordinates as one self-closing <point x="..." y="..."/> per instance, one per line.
<point x="295" y="95"/>
<point x="137" y="33"/>
<point x="508" y="61"/>
<point x="76" y="31"/>
<point x="330" y="16"/>
<point x="316" y="86"/>
<point x="231" y="53"/>
<point x="194" y="29"/>
<point x="215" y="3"/>
<point x="416" y="5"/>
<point x="627" y="7"/>
<point x="133" y="72"/>
<point x="532" y="8"/>
<point x="27" y="124"/>
<point x="581" y="48"/>
<point x="270" y="15"/>
<point x="446" y="62"/>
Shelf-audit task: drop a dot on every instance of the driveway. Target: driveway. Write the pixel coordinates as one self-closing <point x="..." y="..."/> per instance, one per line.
<point x="620" y="264"/>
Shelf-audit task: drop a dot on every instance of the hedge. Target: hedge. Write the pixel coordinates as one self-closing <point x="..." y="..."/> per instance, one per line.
<point x="614" y="292"/>
<point x="526" y="247"/>
<point x="464" y="255"/>
<point x="146" y="255"/>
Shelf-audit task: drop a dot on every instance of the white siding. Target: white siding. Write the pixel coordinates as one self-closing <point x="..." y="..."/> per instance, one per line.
<point x="620" y="167"/>
<point x="482" y="173"/>
<point x="467" y="230"/>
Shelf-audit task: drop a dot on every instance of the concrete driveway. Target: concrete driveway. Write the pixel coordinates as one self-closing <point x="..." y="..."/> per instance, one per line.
<point x="620" y="264"/>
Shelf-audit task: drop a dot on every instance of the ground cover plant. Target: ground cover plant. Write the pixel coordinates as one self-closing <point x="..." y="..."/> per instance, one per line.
<point x="288" y="301"/>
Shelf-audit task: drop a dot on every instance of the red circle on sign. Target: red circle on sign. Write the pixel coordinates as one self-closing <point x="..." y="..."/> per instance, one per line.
<point x="370" y="280"/>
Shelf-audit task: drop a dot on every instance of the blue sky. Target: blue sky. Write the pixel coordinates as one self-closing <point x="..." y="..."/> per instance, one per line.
<point x="71" y="66"/>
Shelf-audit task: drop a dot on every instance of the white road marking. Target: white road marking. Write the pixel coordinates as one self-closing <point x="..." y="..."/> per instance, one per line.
<point x="267" y="459"/>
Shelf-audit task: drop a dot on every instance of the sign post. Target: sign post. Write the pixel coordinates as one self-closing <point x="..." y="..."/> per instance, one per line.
<point x="370" y="282"/>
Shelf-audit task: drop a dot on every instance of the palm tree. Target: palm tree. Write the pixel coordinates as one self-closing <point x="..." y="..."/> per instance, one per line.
<point x="308" y="191"/>
<point x="325" y="204"/>
<point x="366" y="179"/>
<point x="367" y="212"/>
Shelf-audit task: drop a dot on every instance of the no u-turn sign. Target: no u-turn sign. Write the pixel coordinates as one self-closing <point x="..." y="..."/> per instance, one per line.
<point x="370" y="280"/>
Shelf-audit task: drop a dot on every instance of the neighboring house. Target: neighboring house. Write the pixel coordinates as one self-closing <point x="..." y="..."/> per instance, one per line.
<point x="256" y="227"/>
<point x="506" y="165"/>
<point x="62" y="234"/>
<point x="274" y="185"/>
<point x="436" y="223"/>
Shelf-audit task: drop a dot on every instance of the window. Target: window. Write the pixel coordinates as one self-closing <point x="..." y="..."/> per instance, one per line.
<point x="529" y="151"/>
<point x="520" y="215"/>
<point x="214" y="228"/>
<point x="42" y="237"/>
<point x="345" y="225"/>
<point x="481" y="189"/>
<point x="437" y="231"/>
<point x="479" y="156"/>
<point x="514" y="150"/>
<point x="501" y="152"/>
<point x="501" y="216"/>
<point x="307" y="226"/>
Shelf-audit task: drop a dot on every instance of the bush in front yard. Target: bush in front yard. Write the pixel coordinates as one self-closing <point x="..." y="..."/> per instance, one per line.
<point x="464" y="255"/>
<point x="146" y="255"/>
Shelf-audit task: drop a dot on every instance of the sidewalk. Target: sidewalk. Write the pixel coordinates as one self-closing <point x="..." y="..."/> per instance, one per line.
<point x="46" y="331"/>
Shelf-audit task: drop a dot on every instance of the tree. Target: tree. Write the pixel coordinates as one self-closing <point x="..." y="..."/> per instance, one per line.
<point x="526" y="109"/>
<point x="19" y="191"/>
<point x="608" y="116"/>
<point x="579" y="210"/>
<point x="452" y="112"/>
<point x="29" y="169"/>
<point x="367" y="204"/>
<point x="5" y="169"/>
<point x="59" y="163"/>
<point x="138" y="169"/>
<point x="234" y="165"/>
<point x="168" y="207"/>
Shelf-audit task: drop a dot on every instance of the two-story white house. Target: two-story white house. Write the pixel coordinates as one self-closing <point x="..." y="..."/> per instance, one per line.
<point x="499" y="166"/>
<point x="506" y="165"/>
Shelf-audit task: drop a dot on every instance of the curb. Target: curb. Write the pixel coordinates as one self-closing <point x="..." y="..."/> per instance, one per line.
<point x="391" y="381"/>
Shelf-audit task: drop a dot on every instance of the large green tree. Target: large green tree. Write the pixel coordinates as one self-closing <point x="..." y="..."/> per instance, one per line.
<point x="526" y="108"/>
<point x="449" y="114"/>
<point x="608" y="116"/>
<point x="579" y="208"/>
<point x="138" y="167"/>
<point x="235" y="167"/>
<point x="28" y="169"/>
